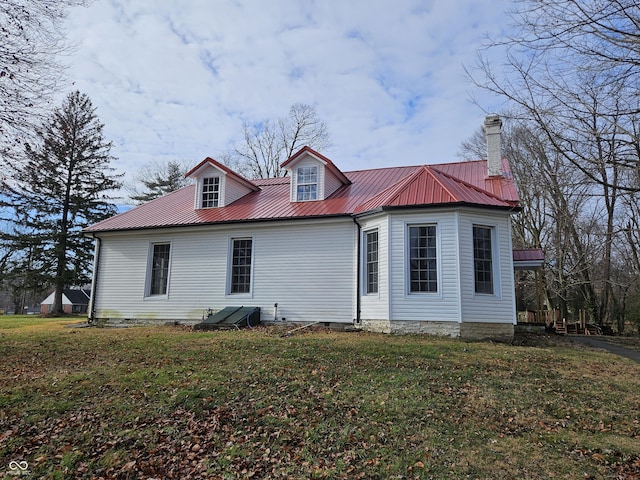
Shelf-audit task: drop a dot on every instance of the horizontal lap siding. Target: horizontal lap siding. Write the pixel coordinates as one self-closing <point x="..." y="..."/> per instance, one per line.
<point x="500" y="307"/>
<point x="121" y="276"/>
<point x="307" y="268"/>
<point x="232" y="190"/>
<point x="376" y="306"/>
<point x="444" y="305"/>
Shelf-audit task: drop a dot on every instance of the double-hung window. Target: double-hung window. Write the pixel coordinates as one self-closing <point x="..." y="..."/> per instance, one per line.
<point x="482" y="259"/>
<point x="307" y="184"/>
<point x="371" y="266"/>
<point x="423" y="259"/>
<point x="159" y="269"/>
<point x="241" y="257"/>
<point x="210" y="192"/>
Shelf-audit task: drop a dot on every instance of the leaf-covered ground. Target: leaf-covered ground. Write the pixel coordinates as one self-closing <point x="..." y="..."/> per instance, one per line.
<point x="169" y="403"/>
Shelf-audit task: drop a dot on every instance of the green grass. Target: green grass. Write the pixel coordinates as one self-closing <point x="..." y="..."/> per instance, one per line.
<point x="8" y="322"/>
<point x="172" y="403"/>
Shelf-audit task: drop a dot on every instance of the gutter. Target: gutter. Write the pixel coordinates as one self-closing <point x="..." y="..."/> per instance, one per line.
<point x="94" y="281"/>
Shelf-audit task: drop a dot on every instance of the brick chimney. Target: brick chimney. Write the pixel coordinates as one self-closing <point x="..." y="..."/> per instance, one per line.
<point x="492" y="130"/>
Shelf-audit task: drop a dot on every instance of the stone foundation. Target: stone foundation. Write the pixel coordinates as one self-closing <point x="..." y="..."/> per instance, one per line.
<point x="138" y="322"/>
<point x="499" y="332"/>
<point x="502" y="332"/>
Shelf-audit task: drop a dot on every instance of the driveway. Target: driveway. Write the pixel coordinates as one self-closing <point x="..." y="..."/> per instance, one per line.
<point x="601" y="342"/>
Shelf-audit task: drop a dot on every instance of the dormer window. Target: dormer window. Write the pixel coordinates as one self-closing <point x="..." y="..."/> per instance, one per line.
<point x="313" y="176"/>
<point x="307" y="184"/>
<point x="210" y="192"/>
<point x="217" y="186"/>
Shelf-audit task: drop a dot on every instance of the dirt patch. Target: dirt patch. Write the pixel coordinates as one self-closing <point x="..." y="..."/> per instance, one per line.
<point x="543" y="340"/>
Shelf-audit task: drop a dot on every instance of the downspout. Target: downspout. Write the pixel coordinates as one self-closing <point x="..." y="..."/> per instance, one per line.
<point x="358" y="271"/>
<point x="94" y="280"/>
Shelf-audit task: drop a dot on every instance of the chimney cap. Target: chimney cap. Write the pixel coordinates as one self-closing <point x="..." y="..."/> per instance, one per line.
<point x="493" y="119"/>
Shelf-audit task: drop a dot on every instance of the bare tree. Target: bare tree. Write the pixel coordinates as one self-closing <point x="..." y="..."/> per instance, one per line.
<point x="560" y="57"/>
<point x="571" y="74"/>
<point x="557" y="214"/>
<point x="31" y="40"/>
<point x="266" y="145"/>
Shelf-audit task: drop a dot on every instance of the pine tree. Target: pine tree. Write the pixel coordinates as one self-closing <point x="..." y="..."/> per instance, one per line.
<point x="62" y="188"/>
<point x="158" y="179"/>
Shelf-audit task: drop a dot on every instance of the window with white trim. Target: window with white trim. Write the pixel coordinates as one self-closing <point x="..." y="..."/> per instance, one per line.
<point x="307" y="184"/>
<point x="422" y="259"/>
<point x="371" y="257"/>
<point x="483" y="259"/>
<point x="241" y="259"/>
<point x="210" y="192"/>
<point x="159" y="269"/>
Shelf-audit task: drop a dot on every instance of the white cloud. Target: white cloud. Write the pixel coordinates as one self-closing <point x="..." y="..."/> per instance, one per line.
<point x="175" y="80"/>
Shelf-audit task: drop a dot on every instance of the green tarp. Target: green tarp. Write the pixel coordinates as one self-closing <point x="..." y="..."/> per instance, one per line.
<point x="237" y="317"/>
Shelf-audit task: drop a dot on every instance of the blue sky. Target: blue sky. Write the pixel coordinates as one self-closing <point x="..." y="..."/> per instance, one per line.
<point x="174" y="80"/>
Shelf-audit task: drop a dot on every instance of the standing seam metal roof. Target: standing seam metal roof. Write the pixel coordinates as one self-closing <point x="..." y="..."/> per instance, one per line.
<point x="411" y="186"/>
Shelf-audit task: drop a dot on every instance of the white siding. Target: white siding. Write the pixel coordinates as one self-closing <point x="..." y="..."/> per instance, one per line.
<point x="230" y="190"/>
<point x="376" y="306"/>
<point x="499" y="307"/>
<point x="233" y="190"/>
<point x="331" y="183"/>
<point x="455" y="300"/>
<point x="306" y="267"/>
<point x="327" y="181"/>
<point x="435" y="307"/>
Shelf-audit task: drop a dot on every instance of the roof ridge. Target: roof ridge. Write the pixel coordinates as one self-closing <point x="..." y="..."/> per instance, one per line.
<point x="221" y="166"/>
<point x="413" y="176"/>
<point x="327" y="161"/>
<point x="385" y="192"/>
<point x="397" y="167"/>
<point x="394" y="191"/>
<point x="469" y="185"/>
<point x="435" y="177"/>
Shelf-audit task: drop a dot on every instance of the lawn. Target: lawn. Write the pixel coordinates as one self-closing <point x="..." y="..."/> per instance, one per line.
<point x="166" y="402"/>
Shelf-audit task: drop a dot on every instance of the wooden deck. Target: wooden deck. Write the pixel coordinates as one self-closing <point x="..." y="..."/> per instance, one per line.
<point x="552" y="321"/>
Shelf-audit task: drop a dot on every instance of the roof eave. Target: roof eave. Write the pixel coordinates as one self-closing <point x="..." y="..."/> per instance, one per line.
<point x="94" y="233"/>
<point x="450" y="204"/>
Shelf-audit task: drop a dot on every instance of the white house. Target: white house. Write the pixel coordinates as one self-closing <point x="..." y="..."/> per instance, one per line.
<point x="424" y="249"/>
<point x="73" y="301"/>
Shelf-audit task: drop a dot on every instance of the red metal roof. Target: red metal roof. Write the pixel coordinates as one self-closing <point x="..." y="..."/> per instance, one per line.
<point x="528" y="255"/>
<point x="411" y="186"/>
<point x="528" y="258"/>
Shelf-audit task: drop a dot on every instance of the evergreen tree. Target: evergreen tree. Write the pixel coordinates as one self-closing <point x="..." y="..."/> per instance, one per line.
<point x="62" y="188"/>
<point x="158" y="179"/>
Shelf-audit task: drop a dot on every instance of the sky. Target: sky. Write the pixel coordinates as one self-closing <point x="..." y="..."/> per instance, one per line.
<point x="175" y="79"/>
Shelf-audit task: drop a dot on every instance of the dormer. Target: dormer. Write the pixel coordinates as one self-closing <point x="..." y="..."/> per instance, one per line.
<point x="217" y="185"/>
<point x="313" y="176"/>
